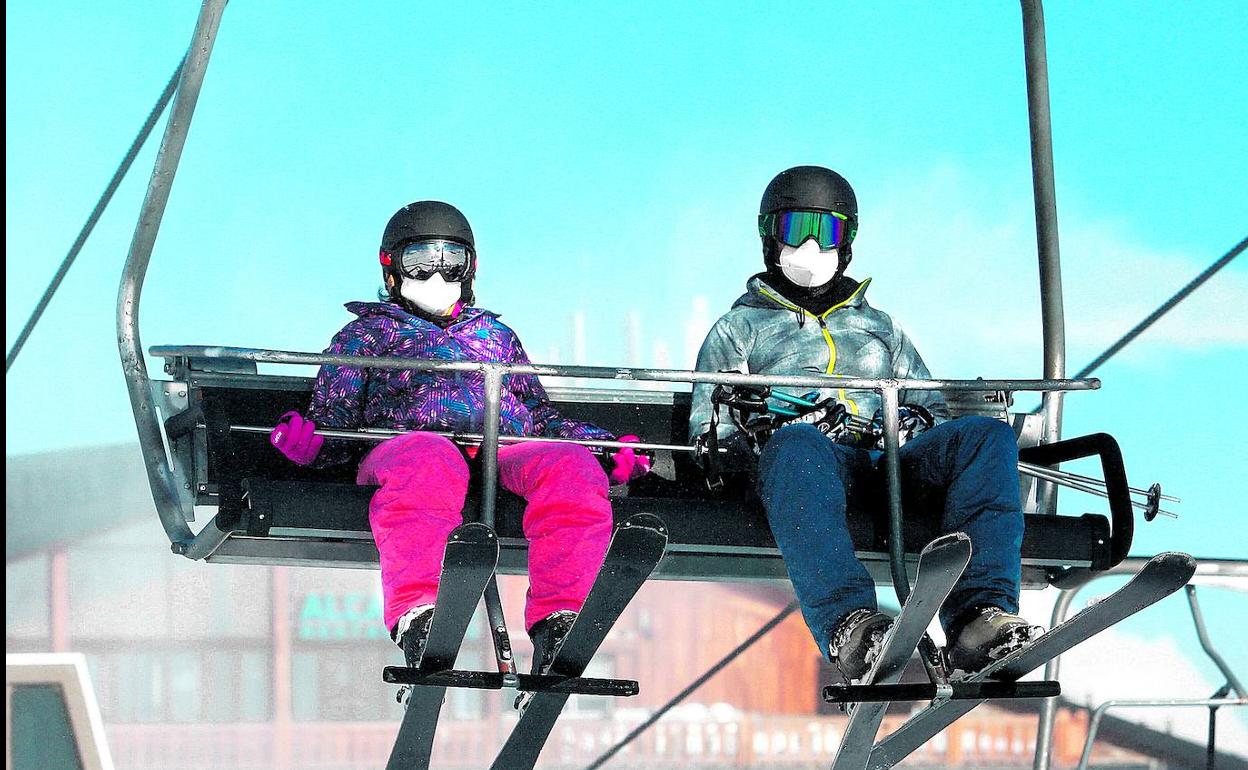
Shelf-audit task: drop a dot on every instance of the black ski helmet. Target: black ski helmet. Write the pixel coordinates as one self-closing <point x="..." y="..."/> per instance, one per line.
<point x="809" y="188"/>
<point x="424" y="220"/>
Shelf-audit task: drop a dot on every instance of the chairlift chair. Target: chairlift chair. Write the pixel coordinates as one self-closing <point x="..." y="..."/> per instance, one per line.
<point x="202" y="433"/>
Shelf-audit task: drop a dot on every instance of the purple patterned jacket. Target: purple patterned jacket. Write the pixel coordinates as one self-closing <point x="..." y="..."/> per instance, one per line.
<point x="350" y="397"/>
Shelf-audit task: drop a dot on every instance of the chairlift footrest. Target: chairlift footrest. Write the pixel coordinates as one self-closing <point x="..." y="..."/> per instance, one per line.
<point x="928" y="691"/>
<point x="488" y="680"/>
<point x="577" y="685"/>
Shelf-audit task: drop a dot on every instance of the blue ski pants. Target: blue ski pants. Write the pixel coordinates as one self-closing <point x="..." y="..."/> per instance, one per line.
<point x="964" y="471"/>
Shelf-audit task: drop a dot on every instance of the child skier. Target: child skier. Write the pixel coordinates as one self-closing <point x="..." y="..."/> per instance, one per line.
<point x="429" y="261"/>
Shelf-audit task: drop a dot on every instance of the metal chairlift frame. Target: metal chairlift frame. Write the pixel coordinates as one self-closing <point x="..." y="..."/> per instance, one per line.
<point x="161" y="406"/>
<point x="149" y="398"/>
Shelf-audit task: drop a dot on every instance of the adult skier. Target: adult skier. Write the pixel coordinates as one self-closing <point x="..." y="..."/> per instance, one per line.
<point x="803" y="315"/>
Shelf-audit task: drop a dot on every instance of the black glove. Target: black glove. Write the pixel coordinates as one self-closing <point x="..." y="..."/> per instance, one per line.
<point x="747" y="409"/>
<point x="734" y="452"/>
<point x="912" y="420"/>
<point x="829" y="416"/>
<point x="742" y="400"/>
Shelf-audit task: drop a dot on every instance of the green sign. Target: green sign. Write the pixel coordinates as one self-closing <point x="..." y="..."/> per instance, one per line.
<point x="331" y="617"/>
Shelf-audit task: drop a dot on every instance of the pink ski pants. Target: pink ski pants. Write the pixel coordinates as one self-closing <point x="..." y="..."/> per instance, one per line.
<point x="424" y="479"/>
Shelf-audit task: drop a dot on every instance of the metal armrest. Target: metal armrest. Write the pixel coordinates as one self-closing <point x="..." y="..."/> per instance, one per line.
<point x="1104" y="446"/>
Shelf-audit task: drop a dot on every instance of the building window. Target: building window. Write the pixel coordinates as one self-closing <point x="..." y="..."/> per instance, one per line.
<point x="237" y="685"/>
<point x="131" y="685"/>
<point x="222" y="685"/>
<point x="342" y="682"/>
<point x="26" y="603"/>
<point x="305" y="695"/>
<point x="185" y="687"/>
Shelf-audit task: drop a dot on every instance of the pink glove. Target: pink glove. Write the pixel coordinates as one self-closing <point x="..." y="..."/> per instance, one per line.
<point x="628" y="464"/>
<point x="294" y="437"/>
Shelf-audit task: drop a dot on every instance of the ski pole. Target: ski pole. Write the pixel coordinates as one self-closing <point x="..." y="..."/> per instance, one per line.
<point x="1045" y="474"/>
<point x="1066" y="478"/>
<point x="1089" y="480"/>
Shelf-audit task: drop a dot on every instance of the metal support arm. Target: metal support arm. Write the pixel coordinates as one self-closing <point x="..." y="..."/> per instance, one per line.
<point x="1052" y="311"/>
<point x="172" y="515"/>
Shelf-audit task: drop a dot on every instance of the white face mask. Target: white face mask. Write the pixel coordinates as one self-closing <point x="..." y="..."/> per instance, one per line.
<point x="807" y="266"/>
<point x="433" y="295"/>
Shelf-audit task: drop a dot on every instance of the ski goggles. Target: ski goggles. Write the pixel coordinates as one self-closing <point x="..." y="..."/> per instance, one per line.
<point x="793" y="228"/>
<point x="421" y="259"/>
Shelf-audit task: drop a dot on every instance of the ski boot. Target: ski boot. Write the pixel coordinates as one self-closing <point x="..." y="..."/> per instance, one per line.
<point x="989" y="634"/>
<point x="857" y="641"/>
<point x="547" y="635"/>
<point x="411" y="634"/>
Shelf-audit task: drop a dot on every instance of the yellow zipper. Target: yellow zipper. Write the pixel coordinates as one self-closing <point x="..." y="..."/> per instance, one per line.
<point x="827" y="335"/>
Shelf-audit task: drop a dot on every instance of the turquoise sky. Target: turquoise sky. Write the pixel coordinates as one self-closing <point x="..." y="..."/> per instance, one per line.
<point x="611" y="159"/>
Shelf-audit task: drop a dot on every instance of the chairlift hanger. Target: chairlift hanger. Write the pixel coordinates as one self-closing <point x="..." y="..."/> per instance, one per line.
<point x="193" y="457"/>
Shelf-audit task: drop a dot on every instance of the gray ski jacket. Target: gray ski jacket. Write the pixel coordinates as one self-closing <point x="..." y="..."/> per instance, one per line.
<point x="765" y="333"/>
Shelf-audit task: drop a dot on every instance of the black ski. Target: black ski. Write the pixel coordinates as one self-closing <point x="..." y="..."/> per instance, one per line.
<point x="469" y="562"/>
<point x="1161" y="576"/>
<point x="940" y="565"/>
<point x="636" y="548"/>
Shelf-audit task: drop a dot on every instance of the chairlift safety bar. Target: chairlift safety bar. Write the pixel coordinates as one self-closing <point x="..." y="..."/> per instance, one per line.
<point x="1075" y="481"/>
<point x="493" y="374"/>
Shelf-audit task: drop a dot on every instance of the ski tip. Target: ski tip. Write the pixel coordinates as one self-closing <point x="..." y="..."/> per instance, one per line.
<point x="645" y="521"/>
<point x="473" y="533"/>
<point x="1176" y="560"/>
<point x="947" y="541"/>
